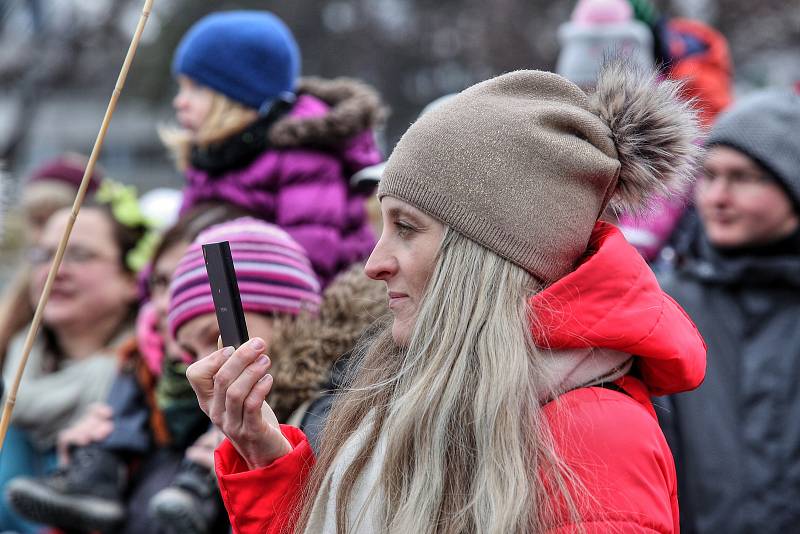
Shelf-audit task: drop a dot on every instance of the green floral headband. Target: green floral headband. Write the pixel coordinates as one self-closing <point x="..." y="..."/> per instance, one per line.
<point x="124" y="204"/>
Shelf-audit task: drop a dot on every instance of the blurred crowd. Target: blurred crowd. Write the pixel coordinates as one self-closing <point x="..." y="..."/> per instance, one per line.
<point x="107" y="434"/>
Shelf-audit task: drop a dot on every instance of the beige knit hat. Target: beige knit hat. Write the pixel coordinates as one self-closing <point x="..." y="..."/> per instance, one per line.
<point x="526" y="163"/>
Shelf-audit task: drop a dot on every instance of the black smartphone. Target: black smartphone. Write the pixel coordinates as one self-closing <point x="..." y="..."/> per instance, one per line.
<point x="225" y="290"/>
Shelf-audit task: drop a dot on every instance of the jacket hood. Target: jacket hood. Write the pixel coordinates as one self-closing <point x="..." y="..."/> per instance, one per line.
<point x="612" y="300"/>
<point x="327" y="113"/>
<point x="701" y="59"/>
<point x="304" y="350"/>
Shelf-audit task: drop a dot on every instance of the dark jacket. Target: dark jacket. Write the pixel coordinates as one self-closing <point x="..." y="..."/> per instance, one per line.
<point x="736" y="439"/>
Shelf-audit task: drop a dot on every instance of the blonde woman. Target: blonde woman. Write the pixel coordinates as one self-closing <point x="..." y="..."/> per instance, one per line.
<point x="252" y="133"/>
<point x="510" y="390"/>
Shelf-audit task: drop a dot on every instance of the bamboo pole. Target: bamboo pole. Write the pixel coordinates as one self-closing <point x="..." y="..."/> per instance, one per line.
<point x="11" y="397"/>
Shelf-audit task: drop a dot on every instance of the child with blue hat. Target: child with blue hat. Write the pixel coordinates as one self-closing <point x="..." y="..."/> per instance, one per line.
<point x="251" y="132"/>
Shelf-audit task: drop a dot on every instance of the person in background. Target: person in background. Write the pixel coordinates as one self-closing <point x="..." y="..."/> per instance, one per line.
<point x="303" y="350"/>
<point x="90" y="312"/>
<point x="736" y="447"/>
<point x="276" y="282"/>
<point x="120" y="450"/>
<point x="525" y="333"/>
<point x="596" y="30"/>
<point x="252" y="133"/>
<point x="51" y="186"/>
<point x="678" y="49"/>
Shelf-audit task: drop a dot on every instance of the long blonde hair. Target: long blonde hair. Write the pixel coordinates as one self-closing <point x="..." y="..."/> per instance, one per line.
<point x="468" y="450"/>
<point x="225" y="118"/>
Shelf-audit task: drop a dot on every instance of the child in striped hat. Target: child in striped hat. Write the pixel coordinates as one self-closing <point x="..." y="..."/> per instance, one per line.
<point x="273" y="273"/>
<point x="277" y="284"/>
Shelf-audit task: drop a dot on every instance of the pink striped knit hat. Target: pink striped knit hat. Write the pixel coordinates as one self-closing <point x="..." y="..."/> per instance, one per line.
<point x="272" y="269"/>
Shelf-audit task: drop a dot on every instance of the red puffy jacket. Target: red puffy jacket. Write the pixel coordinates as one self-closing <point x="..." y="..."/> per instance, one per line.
<point x="612" y="442"/>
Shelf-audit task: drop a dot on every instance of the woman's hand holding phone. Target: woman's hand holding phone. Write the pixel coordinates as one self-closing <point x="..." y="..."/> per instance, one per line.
<point x="231" y="387"/>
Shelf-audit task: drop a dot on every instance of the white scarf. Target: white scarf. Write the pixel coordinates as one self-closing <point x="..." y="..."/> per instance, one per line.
<point x="568" y="370"/>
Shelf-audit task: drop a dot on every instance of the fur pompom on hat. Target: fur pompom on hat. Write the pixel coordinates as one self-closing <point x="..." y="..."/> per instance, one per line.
<point x="526" y="163"/>
<point x="656" y="133"/>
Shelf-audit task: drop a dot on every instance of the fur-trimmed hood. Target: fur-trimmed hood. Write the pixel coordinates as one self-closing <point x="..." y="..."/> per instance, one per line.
<point x="328" y="112"/>
<point x="304" y="350"/>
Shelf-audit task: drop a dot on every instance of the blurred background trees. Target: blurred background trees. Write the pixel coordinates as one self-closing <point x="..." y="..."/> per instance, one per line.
<point x="59" y="60"/>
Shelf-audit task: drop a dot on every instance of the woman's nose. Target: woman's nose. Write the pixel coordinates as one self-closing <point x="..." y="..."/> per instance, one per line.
<point x="381" y="265"/>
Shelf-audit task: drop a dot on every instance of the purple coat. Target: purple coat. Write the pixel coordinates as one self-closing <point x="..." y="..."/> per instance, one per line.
<point x="301" y="182"/>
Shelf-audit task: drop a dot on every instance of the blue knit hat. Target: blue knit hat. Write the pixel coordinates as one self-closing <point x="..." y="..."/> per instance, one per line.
<point x="249" y="56"/>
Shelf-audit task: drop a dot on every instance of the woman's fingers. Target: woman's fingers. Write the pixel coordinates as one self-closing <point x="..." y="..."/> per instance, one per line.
<point x="241" y="388"/>
<point x="202" y="450"/>
<point x="100" y="410"/>
<point x="201" y="375"/>
<point x="102" y="430"/>
<point x="228" y="372"/>
<point x="260" y="440"/>
<point x="231" y="387"/>
<point x="202" y="456"/>
<point x="253" y="419"/>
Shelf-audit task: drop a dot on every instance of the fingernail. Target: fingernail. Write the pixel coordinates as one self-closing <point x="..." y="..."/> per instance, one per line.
<point x="265" y="377"/>
<point x="263" y="360"/>
<point x="257" y="344"/>
<point x="227" y="352"/>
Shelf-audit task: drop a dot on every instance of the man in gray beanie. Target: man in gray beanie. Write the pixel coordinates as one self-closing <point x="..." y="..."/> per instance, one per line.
<point x="735" y="439"/>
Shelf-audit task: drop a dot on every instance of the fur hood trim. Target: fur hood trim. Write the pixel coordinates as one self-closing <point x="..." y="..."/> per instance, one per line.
<point x="354" y="108"/>
<point x="304" y="350"/>
<point x="655" y="131"/>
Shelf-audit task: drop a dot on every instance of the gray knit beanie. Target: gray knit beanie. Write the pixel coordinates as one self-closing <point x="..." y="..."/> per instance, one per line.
<point x="764" y="126"/>
<point x="527" y="162"/>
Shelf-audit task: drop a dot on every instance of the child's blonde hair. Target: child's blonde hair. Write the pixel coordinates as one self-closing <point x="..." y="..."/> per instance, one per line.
<point x="225" y="118"/>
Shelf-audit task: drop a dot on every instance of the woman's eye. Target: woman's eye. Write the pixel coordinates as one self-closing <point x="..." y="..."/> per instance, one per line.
<point x="403" y="229"/>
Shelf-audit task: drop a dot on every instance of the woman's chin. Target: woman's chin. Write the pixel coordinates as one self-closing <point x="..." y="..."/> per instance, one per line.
<point x="58" y="322"/>
<point x="401" y="333"/>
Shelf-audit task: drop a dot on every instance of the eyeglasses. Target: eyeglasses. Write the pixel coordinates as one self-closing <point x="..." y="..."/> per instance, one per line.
<point x="74" y="255"/>
<point x="734" y="179"/>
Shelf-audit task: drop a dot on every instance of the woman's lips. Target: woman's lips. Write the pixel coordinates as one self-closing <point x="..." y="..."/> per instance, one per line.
<point x="58" y="293"/>
<point x="396" y="298"/>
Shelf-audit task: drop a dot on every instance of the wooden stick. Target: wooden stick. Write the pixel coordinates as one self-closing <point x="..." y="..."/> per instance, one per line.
<point x="11" y="398"/>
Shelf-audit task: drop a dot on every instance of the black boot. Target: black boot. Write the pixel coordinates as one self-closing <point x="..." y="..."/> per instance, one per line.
<point x="191" y="504"/>
<point x="84" y="496"/>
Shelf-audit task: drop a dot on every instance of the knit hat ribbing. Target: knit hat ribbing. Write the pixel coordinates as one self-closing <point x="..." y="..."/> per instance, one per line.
<point x="273" y="273"/>
<point x="249" y="56"/>
<point x="526" y="163"/>
<point x="764" y="127"/>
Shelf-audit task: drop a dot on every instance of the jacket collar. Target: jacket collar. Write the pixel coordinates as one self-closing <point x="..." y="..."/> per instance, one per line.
<point x="771" y="266"/>
<point x="612" y="300"/>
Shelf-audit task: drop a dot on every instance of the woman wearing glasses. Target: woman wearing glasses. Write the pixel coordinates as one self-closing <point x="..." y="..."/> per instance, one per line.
<point x="91" y="310"/>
